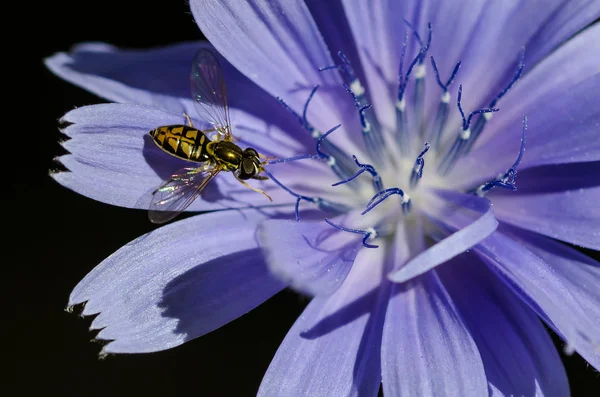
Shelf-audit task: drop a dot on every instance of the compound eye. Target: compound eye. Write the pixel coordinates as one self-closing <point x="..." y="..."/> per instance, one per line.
<point x="251" y="152"/>
<point x="247" y="169"/>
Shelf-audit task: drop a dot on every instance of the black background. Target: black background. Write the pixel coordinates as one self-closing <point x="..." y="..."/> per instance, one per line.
<point x="61" y="236"/>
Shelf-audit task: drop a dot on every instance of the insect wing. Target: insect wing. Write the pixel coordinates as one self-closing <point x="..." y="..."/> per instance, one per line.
<point x="209" y="91"/>
<point x="178" y="192"/>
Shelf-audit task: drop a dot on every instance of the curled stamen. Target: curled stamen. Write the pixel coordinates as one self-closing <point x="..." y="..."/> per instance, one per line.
<point x="417" y="171"/>
<point x="467" y="121"/>
<point x="482" y="121"/>
<point x="430" y="30"/>
<point x="377" y="183"/>
<point x="384" y="194"/>
<point x="322" y="203"/>
<point x="288" y="159"/>
<point x="509" y="179"/>
<point x="419" y="93"/>
<point x="441" y="116"/>
<point x="344" y="168"/>
<point x="373" y="139"/>
<point x="443" y="86"/>
<point x="458" y="146"/>
<point x="367" y="233"/>
<point x="302" y="119"/>
<point x="401" y="122"/>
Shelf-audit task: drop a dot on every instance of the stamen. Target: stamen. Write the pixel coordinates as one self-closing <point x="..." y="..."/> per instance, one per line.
<point x="384" y="194"/>
<point x="441" y="116"/>
<point x="367" y="233"/>
<point x="419" y="93"/>
<point x="373" y="139"/>
<point x="377" y="182"/>
<point x="401" y="122"/>
<point x="482" y="121"/>
<point x="302" y="119"/>
<point x="344" y="168"/>
<point x="509" y="179"/>
<point x="325" y="205"/>
<point x="458" y="147"/>
<point x="287" y="159"/>
<point x="417" y="171"/>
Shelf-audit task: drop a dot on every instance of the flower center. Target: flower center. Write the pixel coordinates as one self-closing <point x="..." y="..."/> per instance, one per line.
<point x="406" y="162"/>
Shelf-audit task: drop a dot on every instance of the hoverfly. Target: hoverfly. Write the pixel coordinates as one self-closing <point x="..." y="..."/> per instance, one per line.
<point x="191" y="144"/>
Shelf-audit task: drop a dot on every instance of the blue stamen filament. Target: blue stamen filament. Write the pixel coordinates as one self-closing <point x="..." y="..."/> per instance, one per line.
<point x="322" y="203"/>
<point x="509" y="179"/>
<point x="417" y="171"/>
<point x="369" y="125"/>
<point x="384" y="194"/>
<point x="401" y="122"/>
<point x="457" y="148"/>
<point x="419" y="93"/>
<point x="444" y="106"/>
<point x="372" y="137"/>
<point x="367" y="233"/>
<point x="344" y="168"/>
<point x="482" y="121"/>
<point x="377" y="183"/>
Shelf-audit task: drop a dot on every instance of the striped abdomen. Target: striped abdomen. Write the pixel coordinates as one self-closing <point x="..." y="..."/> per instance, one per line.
<point x="182" y="141"/>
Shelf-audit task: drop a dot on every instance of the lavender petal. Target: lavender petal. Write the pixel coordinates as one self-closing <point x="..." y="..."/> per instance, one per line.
<point x="333" y="348"/>
<point x="427" y="348"/>
<point x="508" y="334"/>
<point x="469" y="218"/>
<point x="549" y="278"/>
<point x="164" y="288"/>
<point x="571" y="215"/>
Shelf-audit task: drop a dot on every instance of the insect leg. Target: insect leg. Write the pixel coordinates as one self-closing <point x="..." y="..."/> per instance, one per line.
<point x="189" y="120"/>
<point x="253" y="188"/>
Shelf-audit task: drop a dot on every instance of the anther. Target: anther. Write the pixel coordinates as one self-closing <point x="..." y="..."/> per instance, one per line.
<point x="481" y="122"/>
<point x="464" y="137"/>
<point x="419" y="92"/>
<point x="509" y="179"/>
<point x="344" y="168"/>
<point x="384" y="194"/>
<point x="322" y="203"/>
<point x="373" y="140"/>
<point x="441" y="116"/>
<point x="377" y="183"/>
<point x="417" y="172"/>
<point x="367" y="233"/>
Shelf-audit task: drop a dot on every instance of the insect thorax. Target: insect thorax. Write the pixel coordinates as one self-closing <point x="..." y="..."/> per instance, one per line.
<point x="227" y="154"/>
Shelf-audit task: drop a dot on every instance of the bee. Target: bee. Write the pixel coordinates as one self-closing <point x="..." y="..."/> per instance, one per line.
<point x="188" y="143"/>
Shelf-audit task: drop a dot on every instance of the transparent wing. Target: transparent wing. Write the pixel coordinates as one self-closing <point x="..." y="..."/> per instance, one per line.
<point x="209" y="91"/>
<point x="178" y="192"/>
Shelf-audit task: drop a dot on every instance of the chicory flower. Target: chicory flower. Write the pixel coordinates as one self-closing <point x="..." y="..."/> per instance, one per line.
<point x="399" y="129"/>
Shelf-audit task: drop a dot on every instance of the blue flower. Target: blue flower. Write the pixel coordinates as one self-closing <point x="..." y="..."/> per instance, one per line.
<point x="429" y="258"/>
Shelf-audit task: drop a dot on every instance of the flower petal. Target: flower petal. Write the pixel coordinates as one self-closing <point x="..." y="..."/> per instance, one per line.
<point x="333" y="348"/>
<point x="312" y="256"/>
<point x="572" y="215"/>
<point x="485" y="37"/>
<point x="578" y="272"/>
<point x="562" y="116"/>
<point x="157" y="77"/>
<point x="555" y="178"/>
<point x="469" y="217"/>
<point x="553" y="281"/>
<point x="177" y="283"/>
<point x="427" y="350"/>
<point x="115" y="161"/>
<point x="277" y="45"/>
<point x="518" y="355"/>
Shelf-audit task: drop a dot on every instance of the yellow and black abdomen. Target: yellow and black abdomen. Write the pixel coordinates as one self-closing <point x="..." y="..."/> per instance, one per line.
<point x="182" y="141"/>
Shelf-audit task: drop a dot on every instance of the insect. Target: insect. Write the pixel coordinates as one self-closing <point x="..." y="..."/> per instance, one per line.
<point x="188" y="143"/>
